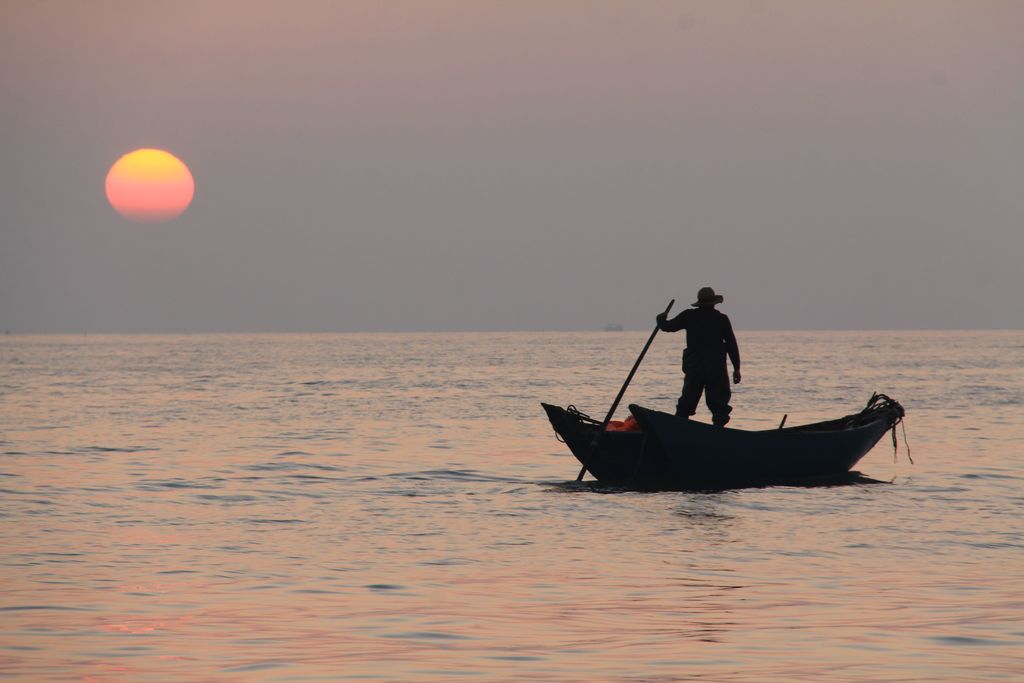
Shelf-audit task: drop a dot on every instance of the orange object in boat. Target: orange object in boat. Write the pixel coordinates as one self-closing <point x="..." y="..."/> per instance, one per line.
<point x="628" y="425"/>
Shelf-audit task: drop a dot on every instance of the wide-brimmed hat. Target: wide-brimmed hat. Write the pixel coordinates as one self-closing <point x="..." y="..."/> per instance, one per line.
<point x="707" y="297"/>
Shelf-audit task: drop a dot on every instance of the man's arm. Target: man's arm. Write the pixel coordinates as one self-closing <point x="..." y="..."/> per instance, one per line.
<point x="733" y="349"/>
<point x="674" y="325"/>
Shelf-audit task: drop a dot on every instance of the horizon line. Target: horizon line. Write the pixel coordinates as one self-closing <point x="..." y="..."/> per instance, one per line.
<point x="28" y="333"/>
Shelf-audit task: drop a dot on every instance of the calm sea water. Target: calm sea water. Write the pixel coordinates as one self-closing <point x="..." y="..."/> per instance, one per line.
<point x="395" y="507"/>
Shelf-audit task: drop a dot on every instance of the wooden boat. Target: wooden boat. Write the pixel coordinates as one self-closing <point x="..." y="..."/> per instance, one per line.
<point x="670" y="452"/>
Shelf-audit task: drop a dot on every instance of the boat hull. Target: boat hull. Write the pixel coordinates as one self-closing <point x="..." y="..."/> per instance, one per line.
<point x="675" y="453"/>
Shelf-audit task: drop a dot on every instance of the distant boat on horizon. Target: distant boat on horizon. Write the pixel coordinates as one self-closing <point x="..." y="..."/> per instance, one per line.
<point x="613" y="327"/>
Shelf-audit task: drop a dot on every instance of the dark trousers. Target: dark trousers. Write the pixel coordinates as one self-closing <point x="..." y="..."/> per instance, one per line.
<point x="714" y="384"/>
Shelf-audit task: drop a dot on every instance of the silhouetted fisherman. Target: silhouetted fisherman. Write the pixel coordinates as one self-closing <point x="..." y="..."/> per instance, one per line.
<point x="709" y="338"/>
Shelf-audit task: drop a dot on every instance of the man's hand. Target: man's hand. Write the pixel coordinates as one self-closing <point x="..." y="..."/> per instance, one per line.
<point x="661" y="318"/>
<point x="736" y="376"/>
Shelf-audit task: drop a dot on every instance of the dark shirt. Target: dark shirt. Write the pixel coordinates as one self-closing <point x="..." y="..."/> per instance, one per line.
<point x="709" y="337"/>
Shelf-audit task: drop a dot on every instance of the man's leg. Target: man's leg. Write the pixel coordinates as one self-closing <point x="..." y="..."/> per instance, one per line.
<point x="692" y="388"/>
<point x="717" y="394"/>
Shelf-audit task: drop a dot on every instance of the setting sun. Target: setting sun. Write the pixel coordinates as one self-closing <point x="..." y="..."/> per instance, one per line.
<point x="150" y="186"/>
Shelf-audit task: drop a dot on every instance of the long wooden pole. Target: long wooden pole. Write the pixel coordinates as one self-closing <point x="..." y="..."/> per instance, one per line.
<point x="622" y="391"/>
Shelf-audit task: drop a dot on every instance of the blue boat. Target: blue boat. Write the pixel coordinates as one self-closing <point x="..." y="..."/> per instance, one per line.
<point x="670" y="452"/>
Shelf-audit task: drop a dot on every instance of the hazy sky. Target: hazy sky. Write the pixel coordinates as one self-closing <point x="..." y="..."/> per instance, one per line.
<point x="549" y="164"/>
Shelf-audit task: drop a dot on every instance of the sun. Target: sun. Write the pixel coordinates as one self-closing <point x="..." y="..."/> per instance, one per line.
<point x="150" y="186"/>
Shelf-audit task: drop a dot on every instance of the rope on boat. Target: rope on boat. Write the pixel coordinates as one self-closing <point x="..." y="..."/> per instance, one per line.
<point x="903" y="425"/>
<point x="881" y="406"/>
<point x="579" y="415"/>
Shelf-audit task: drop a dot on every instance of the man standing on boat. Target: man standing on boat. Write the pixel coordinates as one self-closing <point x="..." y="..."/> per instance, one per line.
<point x="709" y="339"/>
